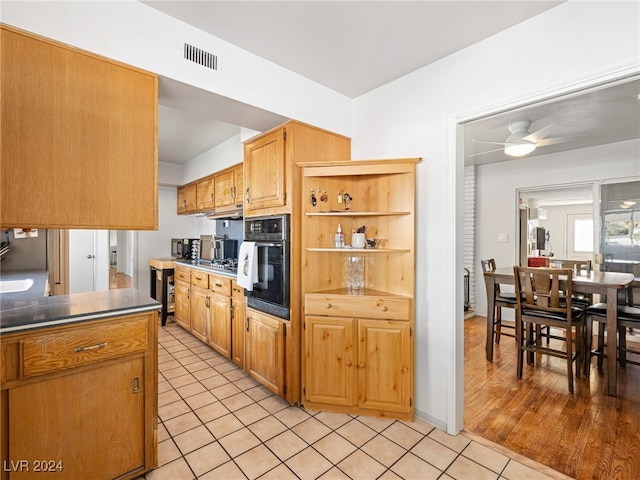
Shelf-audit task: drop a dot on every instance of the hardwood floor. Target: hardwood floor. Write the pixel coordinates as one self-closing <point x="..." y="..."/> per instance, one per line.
<point x="118" y="280"/>
<point x="588" y="435"/>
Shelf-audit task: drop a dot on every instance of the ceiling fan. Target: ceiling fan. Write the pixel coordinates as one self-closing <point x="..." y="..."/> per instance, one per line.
<point x="522" y="142"/>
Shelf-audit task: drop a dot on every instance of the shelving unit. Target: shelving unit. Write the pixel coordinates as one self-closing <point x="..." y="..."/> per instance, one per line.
<point x="358" y="344"/>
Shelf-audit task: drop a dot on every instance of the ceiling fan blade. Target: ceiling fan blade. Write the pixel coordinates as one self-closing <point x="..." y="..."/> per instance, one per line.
<point x="554" y="141"/>
<point x="538" y="135"/>
<point x="488" y="141"/>
<point x="482" y="153"/>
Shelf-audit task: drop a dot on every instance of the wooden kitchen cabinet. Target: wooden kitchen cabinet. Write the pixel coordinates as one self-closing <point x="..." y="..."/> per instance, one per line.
<point x="187" y="198"/>
<point x="228" y="189"/>
<point x="91" y="411"/>
<point x="200" y="312"/>
<point x="358" y="350"/>
<point x="264" y="352"/>
<point x="79" y="138"/>
<point x="205" y="194"/>
<point x="182" y="293"/>
<point x="220" y="325"/>
<point x="237" y="324"/>
<point x="357" y="365"/>
<point x="270" y="173"/>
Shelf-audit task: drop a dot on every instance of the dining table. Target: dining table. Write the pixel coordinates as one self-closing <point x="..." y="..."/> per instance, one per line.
<point x="594" y="282"/>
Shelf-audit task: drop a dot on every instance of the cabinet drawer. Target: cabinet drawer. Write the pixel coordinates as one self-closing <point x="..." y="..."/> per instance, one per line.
<point x="237" y="292"/>
<point x="199" y="279"/>
<point x="220" y="285"/>
<point x="182" y="275"/>
<point x="361" y="306"/>
<point x="48" y="353"/>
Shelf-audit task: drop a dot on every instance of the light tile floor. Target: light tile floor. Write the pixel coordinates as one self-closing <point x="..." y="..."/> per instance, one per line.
<point x="216" y="422"/>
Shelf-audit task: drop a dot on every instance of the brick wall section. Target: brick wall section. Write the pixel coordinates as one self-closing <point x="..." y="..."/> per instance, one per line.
<point x="470" y="230"/>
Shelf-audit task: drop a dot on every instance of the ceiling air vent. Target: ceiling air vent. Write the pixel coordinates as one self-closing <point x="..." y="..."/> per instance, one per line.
<point x="201" y="57"/>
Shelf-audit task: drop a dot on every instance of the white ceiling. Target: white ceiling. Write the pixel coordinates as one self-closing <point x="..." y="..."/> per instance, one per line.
<point x="353" y="47"/>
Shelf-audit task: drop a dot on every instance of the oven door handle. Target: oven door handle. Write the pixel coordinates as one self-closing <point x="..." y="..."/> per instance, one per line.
<point x="261" y="244"/>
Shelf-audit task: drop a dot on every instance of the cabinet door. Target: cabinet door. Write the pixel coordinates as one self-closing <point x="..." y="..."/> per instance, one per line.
<point x="384" y="365"/>
<point x="225" y="183"/>
<point x="264" y="165"/>
<point x="205" y="194"/>
<point x="220" y="325"/>
<point x="329" y="360"/>
<point x="187" y="199"/>
<point x="238" y="188"/>
<point x="182" y="315"/>
<point x="200" y="312"/>
<point x="237" y="332"/>
<point x="264" y="350"/>
<point x="92" y="422"/>
<point x="79" y="138"/>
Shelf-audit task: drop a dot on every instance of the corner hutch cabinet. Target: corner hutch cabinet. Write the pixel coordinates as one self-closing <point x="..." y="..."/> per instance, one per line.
<point x="79" y="138"/>
<point x="358" y="348"/>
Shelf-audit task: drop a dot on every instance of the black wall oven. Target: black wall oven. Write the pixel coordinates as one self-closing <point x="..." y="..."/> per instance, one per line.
<point x="270" y="293"/>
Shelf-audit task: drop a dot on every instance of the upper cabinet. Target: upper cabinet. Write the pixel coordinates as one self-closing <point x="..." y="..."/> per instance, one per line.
<point x="228" y="189"/>
<point x="269" y="164"/>
<point x="205" y="194"/>
<point x="79" y="138"/>
<point x="187" y="198"/>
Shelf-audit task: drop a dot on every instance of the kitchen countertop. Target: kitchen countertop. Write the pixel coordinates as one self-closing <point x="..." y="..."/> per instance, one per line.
<point x="41" y="312"/>
<point x="206" y="267"/>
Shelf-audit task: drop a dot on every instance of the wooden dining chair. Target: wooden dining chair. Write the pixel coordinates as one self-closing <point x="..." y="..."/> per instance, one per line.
<point x="543" y="297"/>
<point x="502" y="300"/>
<point x="628" y="317"/>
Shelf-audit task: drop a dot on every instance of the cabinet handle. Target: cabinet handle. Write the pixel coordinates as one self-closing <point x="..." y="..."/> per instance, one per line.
<point x="349" y="364"/>
<point x="219" y="285"/>
<point x="385" y="308"/>
<point x="248" y="324"/>
<point x="246" y="196"/>
<point x="361" y="365"/>
<point x="198" y="278"/>
<point x="328" y="305"/>
<point x="90" y="347"/>
<point x="135" y="385"/>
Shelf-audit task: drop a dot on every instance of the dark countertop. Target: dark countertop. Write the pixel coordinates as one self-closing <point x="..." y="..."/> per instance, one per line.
<point x="18" y="315"/>
<point x="206" y="267"/>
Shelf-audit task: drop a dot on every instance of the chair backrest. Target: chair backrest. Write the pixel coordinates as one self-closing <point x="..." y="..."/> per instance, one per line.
<point x="577" y="265"/>
<point x="544" y="290"/>
<point x="488" y="265"/>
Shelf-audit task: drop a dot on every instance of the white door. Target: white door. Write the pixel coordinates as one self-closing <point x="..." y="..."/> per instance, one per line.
<point x="580" y="236"/>
<point x="88" y="260"/>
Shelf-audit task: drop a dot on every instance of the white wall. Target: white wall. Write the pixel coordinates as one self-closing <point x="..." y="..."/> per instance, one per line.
<point x="556" y="224"/>
<point x="574" y="44"/>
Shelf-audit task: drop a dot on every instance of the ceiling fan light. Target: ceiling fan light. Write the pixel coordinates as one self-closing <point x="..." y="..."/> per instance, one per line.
<point x="519" y="149"/>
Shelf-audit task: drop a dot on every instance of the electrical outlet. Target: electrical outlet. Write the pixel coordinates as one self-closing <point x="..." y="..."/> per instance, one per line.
<point x="225" y="223"/>
<point x="503" y="238"/>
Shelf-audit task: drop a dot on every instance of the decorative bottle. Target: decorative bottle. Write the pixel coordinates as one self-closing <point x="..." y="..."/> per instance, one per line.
<point x="339" y="238"/>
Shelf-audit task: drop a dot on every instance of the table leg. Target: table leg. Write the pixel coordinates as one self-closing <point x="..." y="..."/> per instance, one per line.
<point x="491" y="311"/>
<point x="612" y="344"/>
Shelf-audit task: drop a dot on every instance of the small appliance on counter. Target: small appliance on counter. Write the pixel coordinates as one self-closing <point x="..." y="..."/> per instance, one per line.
<point x="181" y="247"/>
<point x="224" y="248"/>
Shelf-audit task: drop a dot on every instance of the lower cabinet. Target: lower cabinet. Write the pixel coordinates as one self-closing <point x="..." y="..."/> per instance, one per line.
<point x="264" y="350"/>
<point x="357" y="365"/>
<point x="220" y="325"/>
<point x="237" y="324"/>
<point x="200" y="312"/>
<point x="77" y="411"/>
<point x="182" y="294"/>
